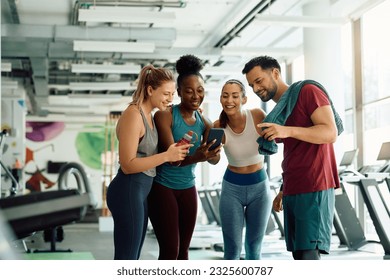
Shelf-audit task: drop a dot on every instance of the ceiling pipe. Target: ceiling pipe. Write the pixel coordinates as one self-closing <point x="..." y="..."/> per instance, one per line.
<point x="235" y="31"/>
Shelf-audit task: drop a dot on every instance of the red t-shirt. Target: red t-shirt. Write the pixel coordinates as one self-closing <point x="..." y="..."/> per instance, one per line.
<point x="308" y="167"/>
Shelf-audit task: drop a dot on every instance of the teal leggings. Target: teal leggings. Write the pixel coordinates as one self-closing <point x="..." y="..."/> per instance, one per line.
<point x="247" y="204"/>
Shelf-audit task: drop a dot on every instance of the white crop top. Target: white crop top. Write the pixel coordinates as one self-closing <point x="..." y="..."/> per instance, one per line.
<point x="241" y="149"/>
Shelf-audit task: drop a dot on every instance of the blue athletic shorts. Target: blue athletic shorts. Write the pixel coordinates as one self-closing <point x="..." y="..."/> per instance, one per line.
<point x="308" y="220"/>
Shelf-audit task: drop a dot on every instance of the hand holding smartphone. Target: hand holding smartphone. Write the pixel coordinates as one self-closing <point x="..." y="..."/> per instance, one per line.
<point x="215" y="133"/>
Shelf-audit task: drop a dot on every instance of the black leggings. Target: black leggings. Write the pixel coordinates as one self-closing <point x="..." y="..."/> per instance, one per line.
<point x="173" y="216"/>
<point x="127" y="201"/>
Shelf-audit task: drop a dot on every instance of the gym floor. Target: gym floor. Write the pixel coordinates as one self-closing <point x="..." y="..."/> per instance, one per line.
<point x="87" y="241"/>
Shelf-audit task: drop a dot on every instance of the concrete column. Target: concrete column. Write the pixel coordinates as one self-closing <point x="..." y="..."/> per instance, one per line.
<point x="322" y="50"/>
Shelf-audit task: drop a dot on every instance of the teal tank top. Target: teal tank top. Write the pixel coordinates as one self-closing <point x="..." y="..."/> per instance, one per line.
<point x="181" y="177"/>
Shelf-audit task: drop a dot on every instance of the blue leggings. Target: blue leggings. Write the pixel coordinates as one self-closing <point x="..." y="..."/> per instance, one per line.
<point x="173" y="216"/>
<point x="127" y="201"/>
<point x="245" y="201"/>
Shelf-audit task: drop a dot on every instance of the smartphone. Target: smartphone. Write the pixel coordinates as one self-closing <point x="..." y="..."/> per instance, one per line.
<point x="215" y="133"/>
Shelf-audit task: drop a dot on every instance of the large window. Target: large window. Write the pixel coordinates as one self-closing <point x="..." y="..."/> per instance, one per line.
<point x="376" y="81"/>
<point x="347" y="138"/>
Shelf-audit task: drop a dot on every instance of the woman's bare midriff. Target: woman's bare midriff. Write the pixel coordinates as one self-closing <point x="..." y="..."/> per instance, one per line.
<point x="246" y="169"/>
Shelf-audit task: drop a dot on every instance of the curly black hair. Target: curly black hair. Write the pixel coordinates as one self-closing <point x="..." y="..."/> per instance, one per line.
<point x="188" y="65"/>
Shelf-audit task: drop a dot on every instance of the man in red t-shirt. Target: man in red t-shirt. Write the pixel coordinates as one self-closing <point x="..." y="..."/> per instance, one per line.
<point x="305" y="121"/>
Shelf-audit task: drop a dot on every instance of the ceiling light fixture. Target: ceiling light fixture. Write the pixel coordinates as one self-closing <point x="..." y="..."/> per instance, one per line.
<point x="124" y="15"/>
<point x="6" y="67"/>
<point x="110" y="46"/>
<point x="106" y="68"/>
<point x="99" y="86"/>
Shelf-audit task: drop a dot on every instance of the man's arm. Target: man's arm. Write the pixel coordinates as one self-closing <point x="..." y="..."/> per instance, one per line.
<point x="323" y="130"/>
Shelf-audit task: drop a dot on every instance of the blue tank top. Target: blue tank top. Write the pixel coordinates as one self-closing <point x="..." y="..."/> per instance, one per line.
<point x="181" y="177"/>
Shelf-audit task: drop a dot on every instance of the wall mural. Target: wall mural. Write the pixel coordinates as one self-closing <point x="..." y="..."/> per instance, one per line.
<point x="43" y="131"/>
<point x="92" y="145"/>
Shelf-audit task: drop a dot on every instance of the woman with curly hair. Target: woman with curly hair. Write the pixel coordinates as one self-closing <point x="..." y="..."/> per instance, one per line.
<point x="173" y="198"/>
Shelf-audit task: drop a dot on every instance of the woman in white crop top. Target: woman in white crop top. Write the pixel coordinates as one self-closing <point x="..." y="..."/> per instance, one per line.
<point x="245" y="198"/>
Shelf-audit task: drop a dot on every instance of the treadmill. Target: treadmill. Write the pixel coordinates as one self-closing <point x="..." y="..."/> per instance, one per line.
<point x="346" y="223"/>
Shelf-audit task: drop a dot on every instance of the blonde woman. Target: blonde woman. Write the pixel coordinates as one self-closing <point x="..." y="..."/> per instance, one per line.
<point x="138" y="158"/>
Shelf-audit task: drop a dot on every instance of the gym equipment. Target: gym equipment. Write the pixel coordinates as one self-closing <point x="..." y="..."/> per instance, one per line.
<point x="49" y="210"/>
<point x="15" y="184"/>
<point x="276" y="183"/>
<point x="213" y="198"/>
<point x="346" y="223"/>
<point x="384" y="153"/>
<point x="206" y="206"/>
<point x="378" y="211"/>
<point x="6" y="248"/>
<point x="209" y="197"/>
<point x="347" y="161"/>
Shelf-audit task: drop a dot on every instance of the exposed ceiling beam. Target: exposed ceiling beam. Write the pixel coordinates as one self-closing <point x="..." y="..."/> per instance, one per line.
<point x="162" y="37"/>
<point x="234" y="17"/>
<point x="13" y="11"/>
<point x="299" y="21"/>
<point x="40" y="77"/>
<point x="366" y="6"/>
<point x="253" y="51"/>
<point x="63" y="50"/>
<point x="59" y="43"/>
